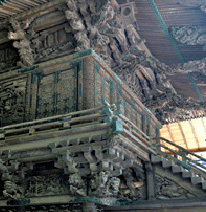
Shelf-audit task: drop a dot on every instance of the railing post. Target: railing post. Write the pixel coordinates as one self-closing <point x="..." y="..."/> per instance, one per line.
<point x="184" y="154"/>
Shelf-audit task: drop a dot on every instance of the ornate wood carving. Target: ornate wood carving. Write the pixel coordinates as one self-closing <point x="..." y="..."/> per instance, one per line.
<point x="168" y="189"/>
<point x="12" y="100"/>
<point x="189" y="35"/>
<point x="21" y="42"/>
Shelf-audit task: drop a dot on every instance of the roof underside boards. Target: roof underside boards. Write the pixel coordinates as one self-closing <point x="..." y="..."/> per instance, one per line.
<point x="185" y="88"/>
<point x="189" y="134"/>
<point x="12" y="7"/>
<point x="173" y="14"/>
<point x="151" y="31"/>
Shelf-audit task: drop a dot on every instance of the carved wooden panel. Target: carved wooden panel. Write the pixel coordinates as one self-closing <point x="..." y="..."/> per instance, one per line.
<point x="66" y="95"/>
<point x="57" y="93"/>
<point x="45" y="102"/>
<point x="47" y="185"/>
<point x="12" y="101"/>
<point x="49" y="43"/>
<point x="55" y="44"/>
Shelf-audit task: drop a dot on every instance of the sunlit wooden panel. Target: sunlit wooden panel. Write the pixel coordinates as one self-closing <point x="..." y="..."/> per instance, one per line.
<point x="204" y="123"/>
<point x="189" y="134"/>
<point x="177" y="135"/>
<point x="191" y="142"/>
<point x="165" y="133"/>
<point x="200" y="131"/>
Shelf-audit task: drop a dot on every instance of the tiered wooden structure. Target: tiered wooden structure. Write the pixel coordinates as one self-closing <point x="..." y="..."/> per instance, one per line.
<point x="72" y="133"/>
<point x="79" y="118"/>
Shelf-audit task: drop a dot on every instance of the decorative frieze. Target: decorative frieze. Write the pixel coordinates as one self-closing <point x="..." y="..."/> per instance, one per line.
<point x="168" y="189"/>
<point x="47" y="185"/>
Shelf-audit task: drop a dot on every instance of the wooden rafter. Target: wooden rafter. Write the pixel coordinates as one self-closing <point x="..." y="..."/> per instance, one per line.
<point x="10" y="8"/>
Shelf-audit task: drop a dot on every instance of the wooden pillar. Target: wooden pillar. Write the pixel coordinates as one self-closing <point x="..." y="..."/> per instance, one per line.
<point x="89" y="83"/>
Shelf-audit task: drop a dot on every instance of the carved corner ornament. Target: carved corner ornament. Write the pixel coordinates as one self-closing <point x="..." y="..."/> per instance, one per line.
<point x="18" y="34"/>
